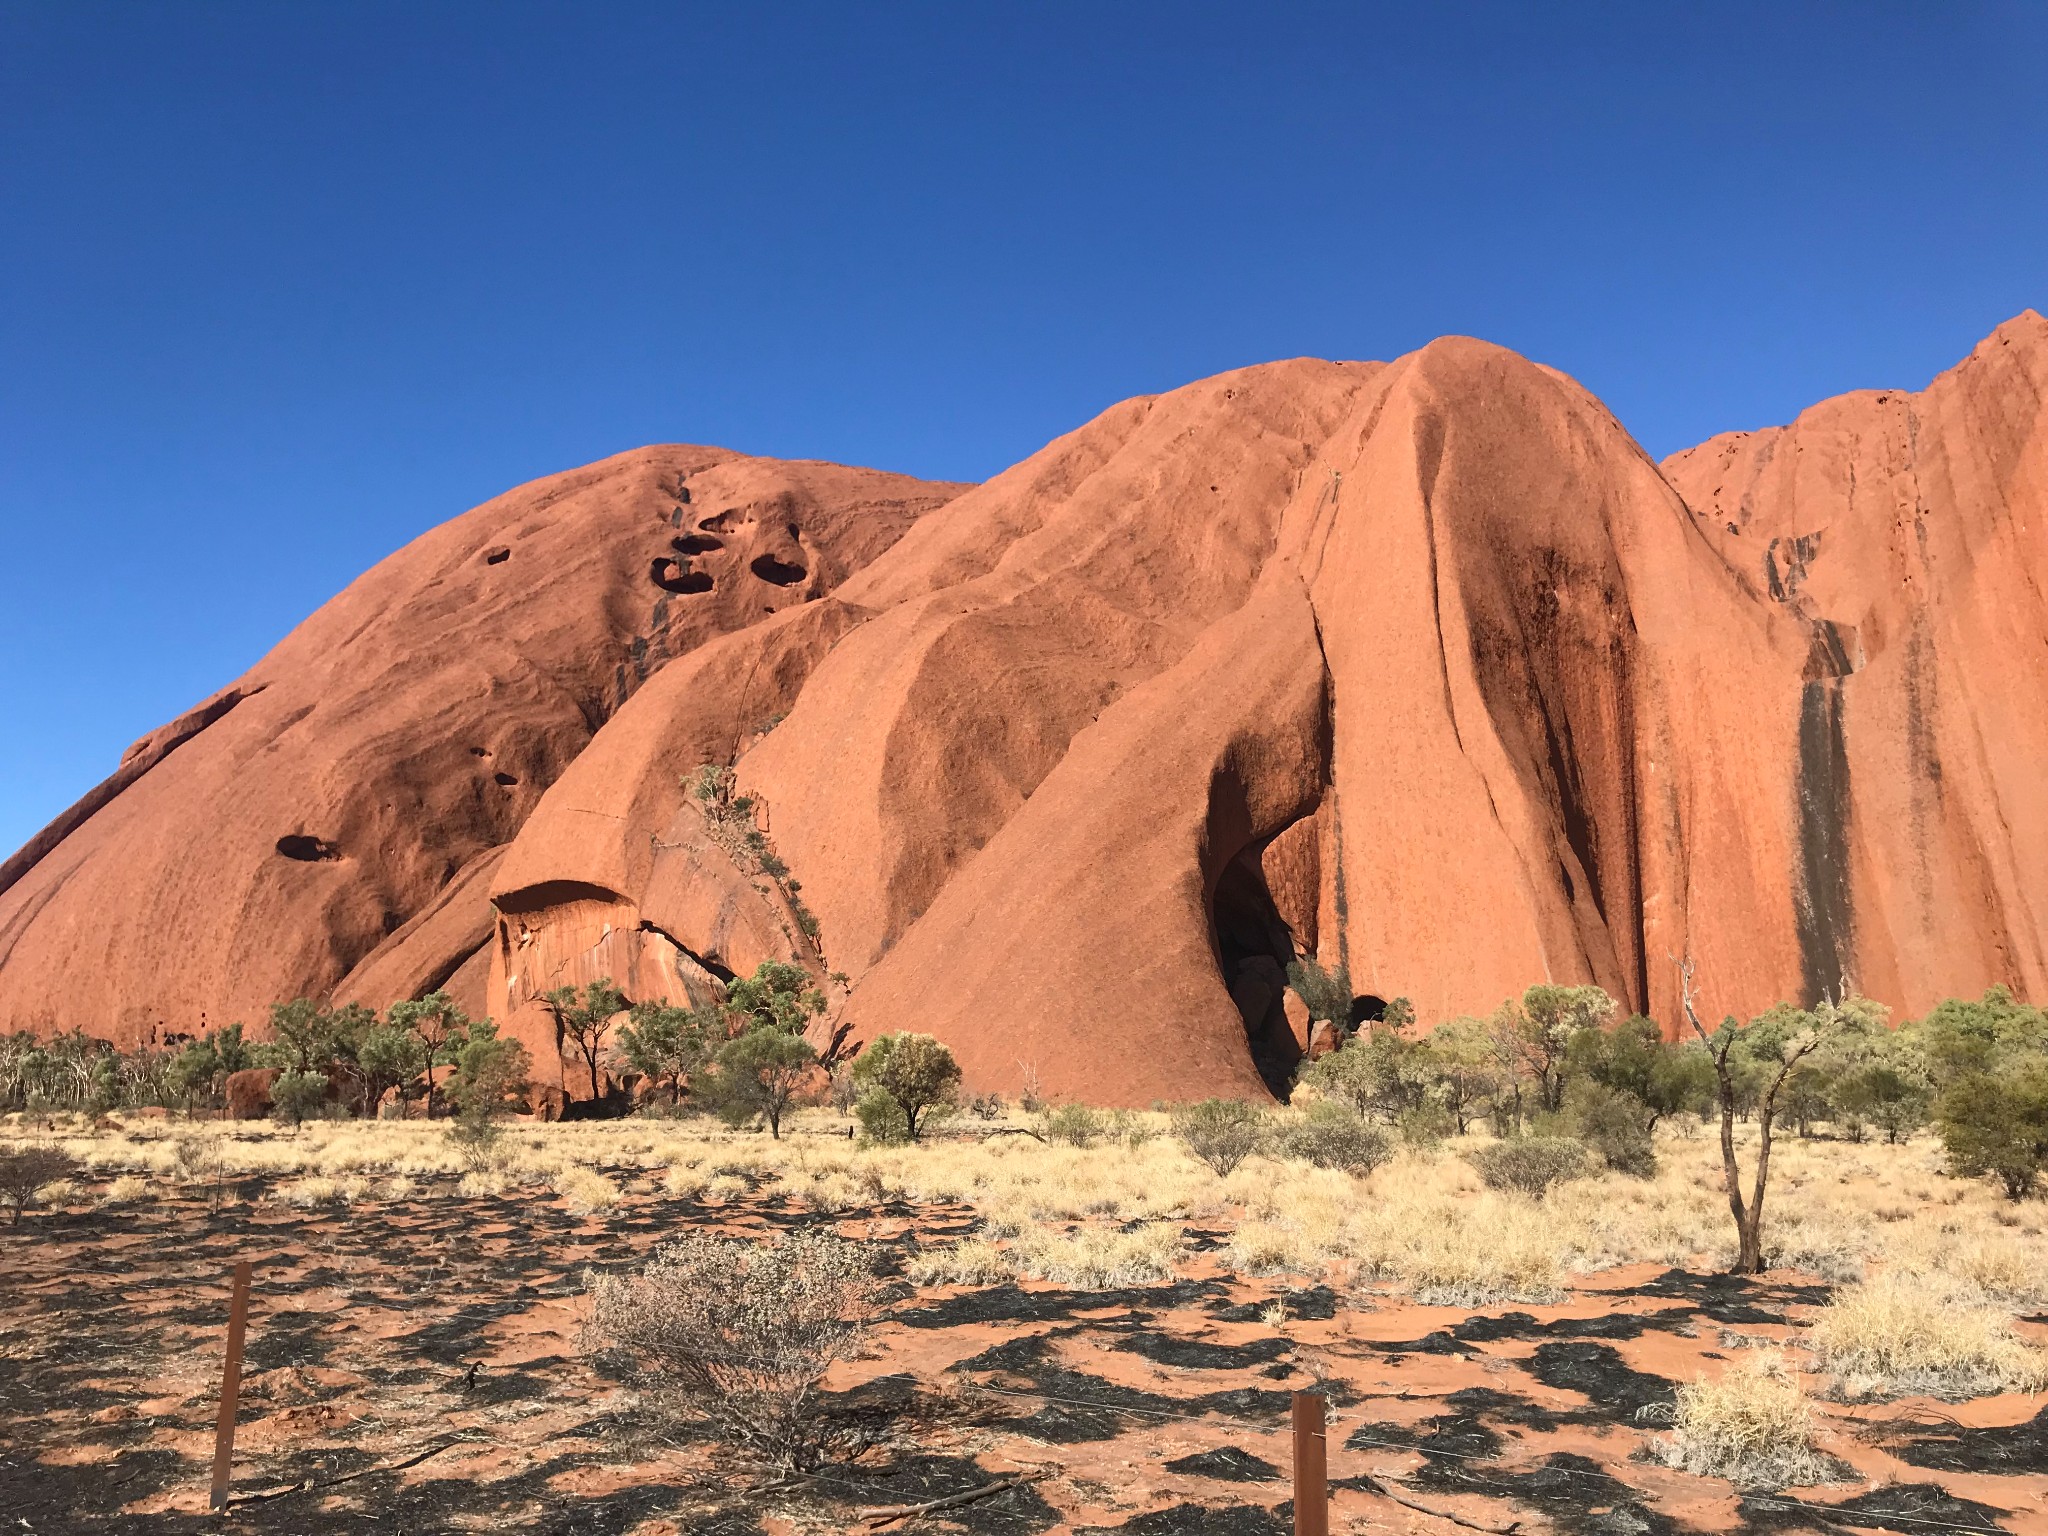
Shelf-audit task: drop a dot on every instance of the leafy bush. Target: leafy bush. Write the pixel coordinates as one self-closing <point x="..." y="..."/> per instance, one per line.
<point x="298" y="1096"/>
<point x="882" y="1121"/>
<point x="1424" y="1125"/>
<point x="475" y="1139"/>
<point x="1529" y="1164"/>
<point x="739" y="1333"/>
<point x="1997" y="1123"/>
<point x="1128" y="1128"/>
<point x="1326" y="994"/>
<point x="24" y="1170"/>
<point x="1075" y="1124"/>
<point x="1222" y="1132"/>
<point x="489" y="1069"/>
<point x="1331" y="1135"/>
<point x="1612" y="1123"/>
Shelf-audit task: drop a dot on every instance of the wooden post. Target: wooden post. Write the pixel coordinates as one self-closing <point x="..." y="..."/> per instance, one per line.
<point x="1311" y="1468"/>
<point x="230" y="1386"/>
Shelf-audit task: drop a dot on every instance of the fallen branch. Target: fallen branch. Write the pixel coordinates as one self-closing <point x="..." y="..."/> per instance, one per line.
<point x="881" y="1517"/>
<point x="1371" y="1484"/>
<point x="309" y="1485"/>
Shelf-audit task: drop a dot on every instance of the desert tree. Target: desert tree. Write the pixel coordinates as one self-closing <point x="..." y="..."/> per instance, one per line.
<point x="779" y="995"/>
<point x="441" y="1027"/>
<point x="25" y="1170"/>
<point x="1533" y="1037"/>
<point x="488" y="1069"/>
<point x="203" y="1066"/>
<point x="298" y="1096"/>
<point x="1462" y="1069"/>
<point x="909" y="1076"/>
<point x="665" y="1043"/>
<point x="1775" y="1043"/>
<point x="1996" y="1123"/>
<point x="390" y="1056"/>
<point x="762" y="1072"/>
<point x="586" y="1019"/>
<point x="308" y="1041"/>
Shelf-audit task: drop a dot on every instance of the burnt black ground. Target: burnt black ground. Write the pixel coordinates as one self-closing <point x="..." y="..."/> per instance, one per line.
<point x="398" y="1298"/>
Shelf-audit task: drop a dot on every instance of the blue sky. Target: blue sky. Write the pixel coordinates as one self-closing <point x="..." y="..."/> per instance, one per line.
<point x="283" y="285"/>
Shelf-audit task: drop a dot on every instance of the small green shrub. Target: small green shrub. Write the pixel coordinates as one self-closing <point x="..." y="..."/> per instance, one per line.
<point x="1222" y="1132"/>
<point x="1331" y="1135"/>
<point x="1529" y="1164"/>
<point x="299" y="1096"/>
<point x="1128" y="1128"/>
<point x="1996" y="1123"/>
<point x="882" y="1121"/>
<point x="1615" y="1125"/>
<point x="1424" y="1125"/>
<point x="1075" y="1124"/>
<point x="475" y="1138"/>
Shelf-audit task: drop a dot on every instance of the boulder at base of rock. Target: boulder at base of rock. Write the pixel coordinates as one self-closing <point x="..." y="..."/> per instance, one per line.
<point x="248" y="1093"/>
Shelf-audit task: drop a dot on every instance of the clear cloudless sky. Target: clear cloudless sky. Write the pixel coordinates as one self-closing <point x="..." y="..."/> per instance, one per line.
<point x="283" y="285"/>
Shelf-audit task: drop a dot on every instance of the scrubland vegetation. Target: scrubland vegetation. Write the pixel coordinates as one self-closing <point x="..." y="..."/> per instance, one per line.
<point x="1515" y="1161"/>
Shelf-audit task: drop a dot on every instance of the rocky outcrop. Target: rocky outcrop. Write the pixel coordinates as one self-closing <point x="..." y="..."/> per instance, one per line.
<point x="1421" y="668"/>
<point x="330" y="823"/>
<point x="248" y="1092"/>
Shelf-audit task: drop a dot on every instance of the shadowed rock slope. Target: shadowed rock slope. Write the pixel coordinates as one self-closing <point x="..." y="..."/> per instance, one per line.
<point x="1421" y="667"/>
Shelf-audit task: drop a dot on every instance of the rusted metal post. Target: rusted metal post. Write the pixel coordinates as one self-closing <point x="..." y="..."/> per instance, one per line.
<point x="230" y="1385"/>
<point x="1311" y="1468"/>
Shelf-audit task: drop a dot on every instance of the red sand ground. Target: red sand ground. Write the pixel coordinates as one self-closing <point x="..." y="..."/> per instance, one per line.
<point x="1152" y="1411"/>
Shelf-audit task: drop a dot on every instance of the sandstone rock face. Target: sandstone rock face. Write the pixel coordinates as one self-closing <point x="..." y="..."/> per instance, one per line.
<point x="330" y="823"/>
<point x="1421" y="668"/>
<point x="1908" y="533"/>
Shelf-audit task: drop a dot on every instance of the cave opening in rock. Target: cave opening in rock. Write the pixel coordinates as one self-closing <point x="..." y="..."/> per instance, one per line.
<point x="674" y="575"/>
<point x="778" y="572"/>
<point x="1367" y="1009"/>
<point x="306" y="849"/>
<point x="1253" y="948"/>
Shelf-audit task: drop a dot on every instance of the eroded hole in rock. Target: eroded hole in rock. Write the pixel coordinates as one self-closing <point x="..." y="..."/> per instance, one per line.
<point x="306" y="849"/>
<point x="505" y="779"/>
<point x="696" y="544"/>
<point x="479" y="751"/>
<point x="1253" y="947"/>
<point x="780" y="572"/>
<point x="673" y="575"/>
<point x="497" y="556"/>
<point x="718" y="522"/>
<point x="1367" y="1009"/>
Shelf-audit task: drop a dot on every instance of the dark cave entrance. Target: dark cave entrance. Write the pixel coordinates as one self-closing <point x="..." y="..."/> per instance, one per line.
<point x="1367" y="1010"/>
<point x="1253" y="949"/>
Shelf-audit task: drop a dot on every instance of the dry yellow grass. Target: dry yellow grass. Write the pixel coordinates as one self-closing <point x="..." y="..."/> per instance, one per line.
<point x="1753" y="1426"/>
<point x="1900" y="1333"/>
<point x="585" y="1190"/>
<point x="1422" y="1224"/>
